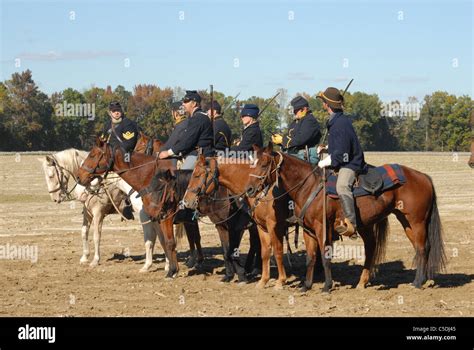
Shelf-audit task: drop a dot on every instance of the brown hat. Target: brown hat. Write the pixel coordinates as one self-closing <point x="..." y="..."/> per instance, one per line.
<point x="332" y="97"/>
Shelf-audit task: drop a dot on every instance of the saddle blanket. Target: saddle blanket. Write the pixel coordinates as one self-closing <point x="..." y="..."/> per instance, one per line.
<point x="392" y="175"/>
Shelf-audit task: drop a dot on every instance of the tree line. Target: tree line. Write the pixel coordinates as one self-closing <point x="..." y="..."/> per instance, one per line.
<point x="31" y="120"/>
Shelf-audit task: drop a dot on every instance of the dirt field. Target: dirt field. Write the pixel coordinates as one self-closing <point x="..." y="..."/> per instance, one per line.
<point x="56" y="285"/>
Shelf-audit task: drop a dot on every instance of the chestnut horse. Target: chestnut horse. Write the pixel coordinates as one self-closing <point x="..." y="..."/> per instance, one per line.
<point x="233" y="174"/>
<point x="413" y="203"/>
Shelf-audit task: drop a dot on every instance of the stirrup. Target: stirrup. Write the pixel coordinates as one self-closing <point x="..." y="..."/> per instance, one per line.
<point x="346" y="228"/>
<point x="293" y="220"/>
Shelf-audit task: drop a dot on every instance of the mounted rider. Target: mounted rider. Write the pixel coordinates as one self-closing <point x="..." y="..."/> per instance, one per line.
<point x="180" y="121"/>
<point x="197" y="133"/>
<point x="222" y="132"/>
<point x="303" y="133"/>
<point x="119" y="130"/>
<point x="252" y="134"/>
<point x="345" y="156"/>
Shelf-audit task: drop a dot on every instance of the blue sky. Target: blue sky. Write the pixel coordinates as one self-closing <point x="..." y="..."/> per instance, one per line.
<point x="394" y="54"/>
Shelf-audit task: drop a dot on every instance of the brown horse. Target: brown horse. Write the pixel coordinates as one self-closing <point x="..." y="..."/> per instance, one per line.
<point x="209" y="173"/>
<point x="471" y="159"/>
<point x="413" y="203"/>
<point x="149" y="146"/>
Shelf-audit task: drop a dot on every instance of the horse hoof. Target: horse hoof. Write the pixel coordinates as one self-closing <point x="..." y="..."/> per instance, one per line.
<point x="304" y="288"/>
<point x="145" y="269"/>
<point x="94" y="263"/>
<point x="361" y="286"/>
<point x="227" y="279"/>
<point x="190" y="262"/>
<point x="278" y="286"/>
<point x="260" y="285"/>
<point x="171" y="275"/>
<point x="83" y="261"/>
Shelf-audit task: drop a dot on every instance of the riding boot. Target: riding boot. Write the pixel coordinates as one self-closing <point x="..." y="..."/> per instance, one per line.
<point x="348" y="227"/>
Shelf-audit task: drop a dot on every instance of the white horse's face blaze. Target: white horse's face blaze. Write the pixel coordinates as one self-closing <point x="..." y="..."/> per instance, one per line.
<point x="52" y="181"/>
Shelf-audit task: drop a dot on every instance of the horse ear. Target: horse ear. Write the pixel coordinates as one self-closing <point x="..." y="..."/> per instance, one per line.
<point x="50" y="160"/>
<point x="99" y="142"/>
<point x="257" y="149"/>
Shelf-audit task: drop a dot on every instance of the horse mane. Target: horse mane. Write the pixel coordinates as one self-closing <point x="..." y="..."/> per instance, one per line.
<point x="179" y="183"/>
<point x="70" y="158"/>
<point x="301" y="164"/>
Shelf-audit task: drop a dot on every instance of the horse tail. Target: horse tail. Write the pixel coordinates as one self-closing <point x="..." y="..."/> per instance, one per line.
<point x="434" y="245"/>
<point x="179" y="232"/>
<point x="381" y="230"/>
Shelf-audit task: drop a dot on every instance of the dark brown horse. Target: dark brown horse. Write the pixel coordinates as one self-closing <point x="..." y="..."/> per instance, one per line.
<point x="269" y="215"/>
<point x="471" y="159"/>
<point x="149" y="146"/>
<point x="413" y="203"/>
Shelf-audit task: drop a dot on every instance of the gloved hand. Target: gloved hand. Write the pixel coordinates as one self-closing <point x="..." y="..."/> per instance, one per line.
<point x="325" y="162"/>
<point x="277" y="139"/>
<point x="321" y="148"/>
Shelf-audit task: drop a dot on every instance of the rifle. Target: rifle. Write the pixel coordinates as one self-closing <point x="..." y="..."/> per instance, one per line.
<point x="212" y="116"/>
<point x="268" y="104"/>
<point x="230" y="103"/>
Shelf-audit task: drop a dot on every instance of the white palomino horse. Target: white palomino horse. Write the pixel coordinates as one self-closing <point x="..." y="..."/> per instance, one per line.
<point x="59" y="167"/>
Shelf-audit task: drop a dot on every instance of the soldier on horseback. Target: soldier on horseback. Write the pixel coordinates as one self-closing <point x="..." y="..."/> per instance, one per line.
<point x="345" y="156"/>
<point x="303" y="133"/>
<point x="123" y="132"/>
<point x="196" y="134"/>
<point x="222" y="132"/>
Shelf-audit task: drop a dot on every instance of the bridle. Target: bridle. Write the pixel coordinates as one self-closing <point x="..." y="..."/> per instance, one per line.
<point x="106" y="168"/>
<point x="273" y="168"/>
<point x="206" y="182"/>
<point x="63" y="180"/>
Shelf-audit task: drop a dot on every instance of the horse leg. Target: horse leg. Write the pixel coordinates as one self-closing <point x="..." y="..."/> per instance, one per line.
<point x="253" y="263"/>
<point x="97" y="221"/>
<point x="311" y="246"/>
<point x="368" y="237"/>
<point x="191" y="260"/>
<point x="149" y="235"/>
<point x="266" y="244"/>
<point x="224" y="237"/>
<point x="277" y="234"/>
<point x="416" y="233"/>
<point x="170" y="246"/>
<point x="325" y="259"/>
<point x="196" y="256"/>
<point x="161" y="238"/>
<point x="234" y="255"/>
<point x="86" y="224"/>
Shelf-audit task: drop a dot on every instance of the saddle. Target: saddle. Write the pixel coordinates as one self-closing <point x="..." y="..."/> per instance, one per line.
<point x="371" y="180"/>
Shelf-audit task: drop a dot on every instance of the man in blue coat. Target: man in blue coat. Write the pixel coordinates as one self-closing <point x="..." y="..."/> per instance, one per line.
<point x="196" y="135"/>
<point x="303" y="133"/>
<point x="345" y="156"/>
